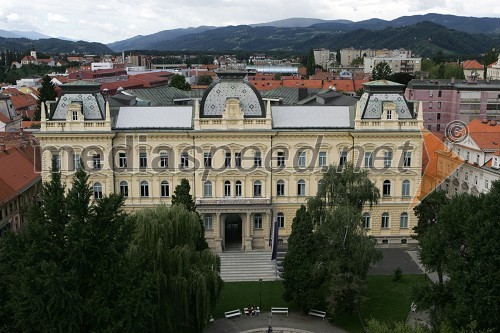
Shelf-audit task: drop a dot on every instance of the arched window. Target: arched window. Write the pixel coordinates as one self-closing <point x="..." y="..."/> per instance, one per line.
<point x="386" y="188"/>
<point x="385" y="221"/>
<point x="257" y="221"/>
<point x="207" y="189"/>
<point x="257" y="188"/>
<point x="405" y="191"/>
<point x="124" y="188"/>
<point x="238" y="188"/>
<point x="301" y="187"/>
<point x="227" y="188"/>
<point x="165" y="188"/>
<point x="163" y="159"/>
<point x="280" y="188"/>
<point x="144" y="189"/>
<point x="97" y="191"/>
<point x="403" y="220"/>
<point x="281" y="220"/>
<point x="367" y="219"/>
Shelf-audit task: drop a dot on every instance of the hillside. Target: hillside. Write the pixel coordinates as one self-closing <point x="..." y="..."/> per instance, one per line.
<point x="424" y="38"/>
<point x="53" y="46"/>
<point x="280" y="34"/>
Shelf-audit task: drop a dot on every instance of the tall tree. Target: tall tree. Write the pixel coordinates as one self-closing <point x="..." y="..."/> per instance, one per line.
<point x="70" y="263"/>
<point x="300" y="285"/>
<point x="344" y="251"/>
<point x="182" y="196"/>
<point x="47" y="92"/>
<point x="180" y="286"/>
<point x="310" y="68"/>
<point x="381" y="71"/>
<point x="426" y="211"/>
<point x="465" y="244"/>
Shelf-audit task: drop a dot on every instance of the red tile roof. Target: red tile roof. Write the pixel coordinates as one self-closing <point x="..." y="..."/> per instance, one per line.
<point x="472" y="64"/>
<point x="4" y="119"/>
<point x="485" y="134"/>
<point x="17" y="171"/>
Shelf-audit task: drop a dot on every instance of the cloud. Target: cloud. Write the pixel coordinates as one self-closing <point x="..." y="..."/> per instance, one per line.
<point x="13" y="17"/>
<point x="56" y="18"/>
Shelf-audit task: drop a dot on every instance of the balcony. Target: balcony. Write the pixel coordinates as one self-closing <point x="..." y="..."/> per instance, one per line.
<point x="232" y="201"/>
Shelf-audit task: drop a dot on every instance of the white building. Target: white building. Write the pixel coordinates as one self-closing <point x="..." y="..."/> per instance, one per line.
<point x="101" y="65"/>
<point x="493" y="71"/>
<point x="400" y="64"/>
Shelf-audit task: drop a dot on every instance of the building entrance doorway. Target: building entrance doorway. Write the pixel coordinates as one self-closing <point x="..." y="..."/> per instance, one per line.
<point x="233" y="232"/>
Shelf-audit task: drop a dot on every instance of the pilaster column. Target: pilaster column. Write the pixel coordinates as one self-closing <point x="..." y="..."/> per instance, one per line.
<point x="218" y="236"/>
<point x="248" y="239"/>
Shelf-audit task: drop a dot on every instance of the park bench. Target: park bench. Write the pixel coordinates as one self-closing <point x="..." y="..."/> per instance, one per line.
<point x="255" y="311"/>
<point x="317" y="313"/>
<point x="279" y="310"/>
<point x="232" y="313"/>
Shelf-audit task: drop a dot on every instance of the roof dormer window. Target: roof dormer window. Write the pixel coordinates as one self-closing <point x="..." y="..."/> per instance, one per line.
<point x="389" y="115"/>
<point x="74" y="115"/>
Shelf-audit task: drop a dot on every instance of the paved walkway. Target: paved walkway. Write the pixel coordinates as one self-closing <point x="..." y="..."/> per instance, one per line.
<point x="280" y="323"/>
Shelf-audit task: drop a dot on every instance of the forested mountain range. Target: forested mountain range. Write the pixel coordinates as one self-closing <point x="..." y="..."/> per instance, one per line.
<point x="53" y="46"/>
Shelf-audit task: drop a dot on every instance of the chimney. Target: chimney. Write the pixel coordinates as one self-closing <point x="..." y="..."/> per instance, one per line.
<point x="302" y="93"/>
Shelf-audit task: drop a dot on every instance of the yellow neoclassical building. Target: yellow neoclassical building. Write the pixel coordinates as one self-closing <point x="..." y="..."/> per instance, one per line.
<point x="249" y="162"/>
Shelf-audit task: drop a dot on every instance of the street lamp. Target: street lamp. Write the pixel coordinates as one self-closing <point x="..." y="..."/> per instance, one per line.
<point x="260" y="294"/>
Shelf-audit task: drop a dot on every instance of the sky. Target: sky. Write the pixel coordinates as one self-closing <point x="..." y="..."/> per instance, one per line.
<point x="112" y="20"/>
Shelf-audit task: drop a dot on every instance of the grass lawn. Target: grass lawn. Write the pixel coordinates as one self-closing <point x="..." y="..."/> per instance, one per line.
<point x="387" y="301"/>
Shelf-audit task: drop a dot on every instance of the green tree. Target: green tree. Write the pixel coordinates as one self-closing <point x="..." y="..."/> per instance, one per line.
<point x="453" y="70"/>
<point x="358" y="61"/>
<point x="46" y="93"/>
<point x="205" y="79"/>
<point x="439" y="58"/>
<point x="375" y="326"/>
<point x="70" y="263"/>
<point x="381" y="71"/>
<point x="464" y="244"/>
<point x="182" y="196"/>
<point x="298" y="280"/>
<point x="310" y="69"/>
<point x="426" y="211"/>
<point x="179" y="81"/>
<point x="338" y="57"/>
<point x="179" y="285"/>
<point x="344" y="250"/>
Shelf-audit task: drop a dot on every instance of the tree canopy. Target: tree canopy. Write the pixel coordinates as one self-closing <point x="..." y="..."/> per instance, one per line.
<point x="205" y="79"/>
<point x="333" y="260"/>
<point x="463" y="244"/>
<point x="179" y="81"/>
<point x="47" y="92"/>
<point x="381" y="71"/>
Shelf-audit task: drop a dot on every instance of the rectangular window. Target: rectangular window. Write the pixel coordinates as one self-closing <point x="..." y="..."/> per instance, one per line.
<point x="302" y="159"/>
<point x="163" y="160"/>
<point x="75" y="115"/>
<point x="76" y="161"/>
<point x="385" y="221"/>
<point x="322" y="159"/>
<point x="387" y="159"/>
<point x="389" y="114"/>
<point x="438" y="116"/>
<point x="207" y="159"/>
<point x="281" y="220"/>
<point x="184" y="160"/>
<point x="366" y="221"/>
<point x="143" y="160"/>
<point x="238" y="188"/>
<point x="438" y="127"/>
<point x="466" y="176"/>
<point x="57" y="160"/>
<point x="208" y="222"/>
<point x="227" y="161"/>
<point x="439" y="93"/>
<point x="257" y="221"/>
<point x="368" y="159"/>
<point x="237" y="160"/>
<point x="280" y="188"/>
<point x="430" y="105"/>
<point x="477" y="159"/>
<point x="124" y="189"/>
<point x="96" y="161"/>
<point x="407" y="159"/>
<point x="430" y="93"/>
<point x="281" y="159"/>
<point x="486" y="184"/>
<point x="429" y="127"/>
<point x="343" y="158"/>
<point x="439" y="105"/>
<point x="403" y="223"/>
<point x="257" y="159"/>
<point x="122" y="160"/>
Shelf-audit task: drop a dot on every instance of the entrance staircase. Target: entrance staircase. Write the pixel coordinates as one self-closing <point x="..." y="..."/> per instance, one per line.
<point x="237" y="265"/>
